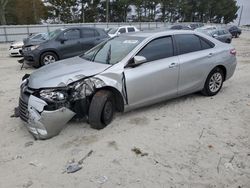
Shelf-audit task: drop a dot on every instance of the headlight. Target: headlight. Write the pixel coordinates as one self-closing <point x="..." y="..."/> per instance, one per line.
<point x="53" y="95"/>
<point x="34" y="47"/>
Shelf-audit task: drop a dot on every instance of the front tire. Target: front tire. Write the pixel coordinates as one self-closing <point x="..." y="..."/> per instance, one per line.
<point x="48" y="58"/>
<point x="101" y="109"/>
<point x="214" y="82"/>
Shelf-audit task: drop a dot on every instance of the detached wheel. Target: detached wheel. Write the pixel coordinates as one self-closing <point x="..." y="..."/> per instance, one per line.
<point x="101" y="109"/>
<point x="214" y="82"/>
<point x="47" y="58"/>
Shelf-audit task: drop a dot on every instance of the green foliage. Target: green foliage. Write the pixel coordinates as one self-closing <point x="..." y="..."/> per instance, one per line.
<point x="68" y="11"/>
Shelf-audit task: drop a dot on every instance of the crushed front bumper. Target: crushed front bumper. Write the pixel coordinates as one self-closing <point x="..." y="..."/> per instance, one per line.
<point x="41" y="123"/>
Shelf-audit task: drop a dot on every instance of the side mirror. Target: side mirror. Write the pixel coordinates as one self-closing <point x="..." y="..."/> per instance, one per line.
<point x="215" y="35"/>
<point x="62" y="39"/>
<point x="118" y="33"/>
<point x="138" y="60"/>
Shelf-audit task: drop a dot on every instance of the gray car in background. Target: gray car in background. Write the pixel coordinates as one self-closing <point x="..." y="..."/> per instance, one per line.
<point x="62" y="44"/>
<point x="121" y="74"/>
<point x="220" y="34"/>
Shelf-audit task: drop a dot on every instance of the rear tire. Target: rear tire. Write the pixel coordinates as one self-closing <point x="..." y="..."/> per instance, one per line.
<point x="214" y="82"/>
<point x="228" y="41"/>
<point x="48" y="58"/>
<point x="101" y="109"/>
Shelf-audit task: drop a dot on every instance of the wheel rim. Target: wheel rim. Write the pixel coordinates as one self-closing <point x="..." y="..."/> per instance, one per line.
<point x="49" y="59"/>
<point x="107" y="112"/>
<point x="215" y="82"/>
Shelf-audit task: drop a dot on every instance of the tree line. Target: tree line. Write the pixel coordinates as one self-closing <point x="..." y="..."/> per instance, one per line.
<point x="75" y="11"/>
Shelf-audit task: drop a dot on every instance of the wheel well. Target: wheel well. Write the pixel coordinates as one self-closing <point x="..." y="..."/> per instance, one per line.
<point x="46" y="52"/>
<point x="224" y="71"/>
<point x="119" y="102"/>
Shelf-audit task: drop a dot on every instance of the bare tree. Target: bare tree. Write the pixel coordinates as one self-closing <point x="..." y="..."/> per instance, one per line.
<point x="3" y="4"/>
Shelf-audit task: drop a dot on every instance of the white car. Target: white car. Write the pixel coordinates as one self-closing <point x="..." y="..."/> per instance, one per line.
<point x="123" y="29"/>
<point x="16" y="48"/>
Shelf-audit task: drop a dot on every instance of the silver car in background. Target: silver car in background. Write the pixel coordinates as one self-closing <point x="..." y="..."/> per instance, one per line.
<point x="121" y="74"/>
<point x="220" y="34"/>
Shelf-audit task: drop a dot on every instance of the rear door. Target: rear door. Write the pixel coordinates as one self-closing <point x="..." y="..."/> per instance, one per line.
<point x="196" y="58"/>
<point x="156" y="79"/>
<point x="72" y="45"/>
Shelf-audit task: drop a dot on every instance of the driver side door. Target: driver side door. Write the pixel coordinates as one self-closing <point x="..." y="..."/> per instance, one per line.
<point x="155" y="80"/>
<point x="72" y="44"/>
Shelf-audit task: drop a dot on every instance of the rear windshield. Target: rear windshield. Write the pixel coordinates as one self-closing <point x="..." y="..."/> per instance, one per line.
<point x="112" y="31"/>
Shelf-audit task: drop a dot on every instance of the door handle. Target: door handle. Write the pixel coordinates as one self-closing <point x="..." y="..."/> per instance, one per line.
<point x="210" y="55"/>
<point x="172" y="65"/>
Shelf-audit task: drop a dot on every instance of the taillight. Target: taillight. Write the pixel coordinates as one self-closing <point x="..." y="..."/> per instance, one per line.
<point x="233" y="52"/>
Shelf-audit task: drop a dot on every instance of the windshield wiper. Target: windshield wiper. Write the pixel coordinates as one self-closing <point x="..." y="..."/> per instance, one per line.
<point x="108" y="57"/>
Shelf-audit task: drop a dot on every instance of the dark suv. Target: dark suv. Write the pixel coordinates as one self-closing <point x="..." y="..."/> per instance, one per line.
<point x="235" y="31"/>
<point x="61" y="44"/>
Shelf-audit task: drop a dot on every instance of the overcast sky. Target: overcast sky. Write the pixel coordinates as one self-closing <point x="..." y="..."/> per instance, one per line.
<point x="246" y="12"/>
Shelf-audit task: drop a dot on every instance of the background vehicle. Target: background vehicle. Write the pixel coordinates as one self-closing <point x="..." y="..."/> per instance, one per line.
<point x="221" y="34"/>
<point x="16" y="49"/>
<point x="123" y="29"/>
<point x="61" y="44"/>
<point x="180" y="27"/>
<point x="123" y="73"/>
<point x="235" y="31"/>
<point x="195" y="25"/>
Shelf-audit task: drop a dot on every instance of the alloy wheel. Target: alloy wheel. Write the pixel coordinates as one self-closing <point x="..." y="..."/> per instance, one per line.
<point x="215" y="82"/>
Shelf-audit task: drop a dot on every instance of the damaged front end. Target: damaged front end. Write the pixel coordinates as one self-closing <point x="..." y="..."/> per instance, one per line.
<point x="46" y="111"/>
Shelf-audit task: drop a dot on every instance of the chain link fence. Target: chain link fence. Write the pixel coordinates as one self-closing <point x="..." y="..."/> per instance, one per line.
<point x="11" y="33"/>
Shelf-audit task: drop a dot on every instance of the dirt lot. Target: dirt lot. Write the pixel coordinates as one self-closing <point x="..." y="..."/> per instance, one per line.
<point x="193" y="141"/>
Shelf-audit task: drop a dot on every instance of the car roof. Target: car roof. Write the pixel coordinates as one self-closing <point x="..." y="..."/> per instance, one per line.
<point x="159" y="32"/>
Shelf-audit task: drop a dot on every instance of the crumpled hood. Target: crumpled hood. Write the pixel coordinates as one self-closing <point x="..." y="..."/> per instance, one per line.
<point x="64" y="72"/>
<point x="19" y="43"/>
<point x="29" y="42"/>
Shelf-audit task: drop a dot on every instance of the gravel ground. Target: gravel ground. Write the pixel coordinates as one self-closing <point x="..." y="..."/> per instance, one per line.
<point x="192" y="141"/>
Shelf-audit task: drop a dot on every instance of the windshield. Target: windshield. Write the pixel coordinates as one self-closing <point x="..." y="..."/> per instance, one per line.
<point x="112" y="31"/>
<point x="113" y="50"/>
<point x="53" y="34"/>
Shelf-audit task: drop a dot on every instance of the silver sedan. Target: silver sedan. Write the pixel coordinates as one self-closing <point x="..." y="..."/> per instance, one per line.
<point x="122" y="74"/>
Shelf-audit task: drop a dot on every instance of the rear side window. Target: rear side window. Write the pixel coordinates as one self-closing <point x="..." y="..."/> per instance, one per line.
<point x="122" y="30"/>
<point x="158" y="49"/>
<point x="188" y="43"/>
<point x="72" y="34"/>
<point x="87" y="33"/>
<point x="131" y="29"/>
<point x="206" y="44"/>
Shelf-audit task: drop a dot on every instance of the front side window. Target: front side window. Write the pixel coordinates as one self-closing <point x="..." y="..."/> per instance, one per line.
<point x="72" y="34"/>
<point x="88" y="33"/>
<point x="158" y="49"/>
<point x="188" y="43"/>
